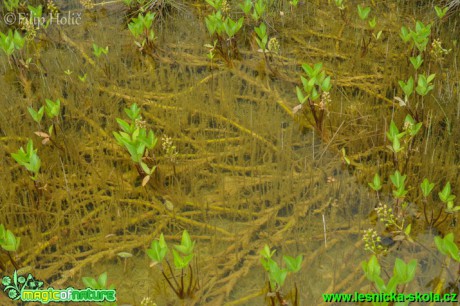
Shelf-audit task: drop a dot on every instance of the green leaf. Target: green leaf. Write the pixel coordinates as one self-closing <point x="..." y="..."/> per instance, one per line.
<point x="308" y="70"/>
<point x="363" y="12"/>
<point x="376" y="184"/>
<point x="133" y="112"/>
<point x="396" y="146"/>
<point x="187" y="245"/>
<point x="441" y="12"/>
<point x="405" y="273"/>
<point x="405" y="34"/>
<point x="52" y="108"/>
<point x="10" y="243"/>
<point x="447" y="246"/>
<point x="36" y="116"/>
<point x="426" y="187"/>
<point x="416" y="61"/>
<point x="373" y="23"/>
<point x="90" y="282"/>
<point x="393" y="131"/>
<point x="102" y="280"/>
<point x="326" y="85"/>
<point x="293" y="264"/>
<point x="158" y="249"/>
<point x="300" y="95"/>
<point x="371" y="268"/>
<point x="397" y="179"/>
<point x="277" y="275"/>
<point x="125" y="126"/>
<point x="408" y="230"/>
<point x="181" y="262"/>
<point x="408" y="88"/>
<point x="266" y="252"/>
<point x="445" y="195"/>
<point x="246" y="6"/>
<point x="145" y="167"/>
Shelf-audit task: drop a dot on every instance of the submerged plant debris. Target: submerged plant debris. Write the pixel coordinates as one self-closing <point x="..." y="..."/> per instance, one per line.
<point x="246" y="124"/>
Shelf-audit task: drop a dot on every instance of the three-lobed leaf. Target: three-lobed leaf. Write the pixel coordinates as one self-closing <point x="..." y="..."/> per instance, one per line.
<point x="445" y="195"/>
<point x="426" y="187"/>
<point x="293" y="264"/>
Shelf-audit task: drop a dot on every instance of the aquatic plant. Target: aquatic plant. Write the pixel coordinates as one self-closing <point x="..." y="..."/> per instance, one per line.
<point x="402" y="275"/>
<point x="136" y="140"/>
<point x="340" y="4"/>
<point x="266" y="45"/>
<point x="447" y="246"/>
<point x="363" y="12"/>
<point x="402" y="142"/>
<point x="11" y="5"/>
<point x="142" y="28"/>
<point x="277" y="276"/>
<point x="10" y="243"/>
<point x="316" y="85"/>
<point x="419" y="36"/>
<point x="223" y="30"/>
<point x="441" y="11"/>
<point x="52" y="110"/>
<point x="259" y="8"/>
<point x="183" y="255"/>
<point x="11" y="41"/>
<point x="368" y="35"/>
<point x="100" y="284"/>
<point x="29" y="159"/>
<point x="97" y="51"/>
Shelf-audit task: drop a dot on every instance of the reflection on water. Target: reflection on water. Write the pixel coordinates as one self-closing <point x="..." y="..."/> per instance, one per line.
<point x="246" y="173"/>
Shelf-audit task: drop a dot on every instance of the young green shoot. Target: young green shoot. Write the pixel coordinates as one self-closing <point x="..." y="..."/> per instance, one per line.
<point x="447" y="246"/>
<point x="97" y="51"/>
<point x="29" y="159"/>
<point x="135" y="138"/>
<point x="277" y="275"/>
<point x="183" y="255"/>
<point x="10" y="243"/>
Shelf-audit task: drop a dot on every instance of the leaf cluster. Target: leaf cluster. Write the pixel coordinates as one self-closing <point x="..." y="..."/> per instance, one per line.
<point x="29" y="159"/>
<point x="402" y="274"/>
<point x="136" y="139"/>
<point x="11" y="41"/>
<point x="182" y="253"/>
<point x="314" y="83"/>
<point x="447" y="246"/>
<point x="276" y="274"/>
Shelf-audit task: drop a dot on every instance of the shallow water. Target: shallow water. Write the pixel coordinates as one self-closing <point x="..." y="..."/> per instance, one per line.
<point x="248" y="172"/>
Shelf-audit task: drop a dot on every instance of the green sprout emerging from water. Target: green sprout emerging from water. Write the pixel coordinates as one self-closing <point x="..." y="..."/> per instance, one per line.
<point x="97" y="51"/>
<point x="315" y="91"/>
<point x="447" y="246"/>
<point x="135" y="138"/>
<point x="402" y="142"/>
<point x="142" y="27"/>
<point x="101" y="284"/>
<point x="419" y="37"/>
<point x="441" y="12"/>
<point x="363" y="12"/>
<point x="402" y="275"/>
<point x="11" y="41"/>
<point x="223" y="30"/>
<point x="52" y="110"/>
<point x="277" y="275"/>
<point x="183" y="255"/>
<point x="29" y="159"/>
<point x="9" y="243"/>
